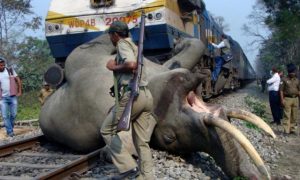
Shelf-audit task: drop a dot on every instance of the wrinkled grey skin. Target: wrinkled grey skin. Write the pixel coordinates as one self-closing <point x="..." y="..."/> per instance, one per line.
<point x="74" y="113"/>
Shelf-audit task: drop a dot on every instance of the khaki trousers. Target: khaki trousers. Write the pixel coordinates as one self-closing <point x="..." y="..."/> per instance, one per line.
<point x="290" y="114"/>
<point x="143" y="124"/>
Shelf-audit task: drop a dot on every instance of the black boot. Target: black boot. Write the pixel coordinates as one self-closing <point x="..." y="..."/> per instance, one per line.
<point x="133" y="173"/>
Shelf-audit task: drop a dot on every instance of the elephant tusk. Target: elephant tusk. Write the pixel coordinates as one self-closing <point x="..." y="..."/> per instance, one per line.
<point x="241" y="139"/>
<point x="252" y="118"/>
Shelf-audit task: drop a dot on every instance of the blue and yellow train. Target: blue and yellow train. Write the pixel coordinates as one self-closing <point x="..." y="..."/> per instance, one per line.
<point x="70" y="23"/>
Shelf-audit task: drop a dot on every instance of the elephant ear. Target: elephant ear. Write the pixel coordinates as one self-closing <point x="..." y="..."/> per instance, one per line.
<point x="187" y="52"/>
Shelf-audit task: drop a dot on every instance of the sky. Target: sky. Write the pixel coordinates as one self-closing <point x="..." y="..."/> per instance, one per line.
<point x="235" y="13"/>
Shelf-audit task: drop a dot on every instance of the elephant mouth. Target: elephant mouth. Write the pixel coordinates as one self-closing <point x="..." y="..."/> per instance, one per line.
<point x="211" y="115"/>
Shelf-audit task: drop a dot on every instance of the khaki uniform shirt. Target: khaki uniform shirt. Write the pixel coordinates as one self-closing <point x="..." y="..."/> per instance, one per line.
<point x="128" y="51"/>
<point x="290" y="86"/>
<point x="44" y="94"/>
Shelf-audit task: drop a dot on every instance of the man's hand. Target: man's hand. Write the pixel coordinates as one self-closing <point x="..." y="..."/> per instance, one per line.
<point x="19" y="94"/>
<point x="111" y="65"/>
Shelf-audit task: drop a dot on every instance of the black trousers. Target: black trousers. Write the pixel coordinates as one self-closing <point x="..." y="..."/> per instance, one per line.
<point x="274" y="99"/>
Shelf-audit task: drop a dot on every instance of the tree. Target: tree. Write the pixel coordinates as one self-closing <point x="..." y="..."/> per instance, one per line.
<point x="34" y="58"/>
<point x="15" y="17"/>
<point x="221" y="23"/>
<point x="256" y="27"/>
<point x="282" y="18"/>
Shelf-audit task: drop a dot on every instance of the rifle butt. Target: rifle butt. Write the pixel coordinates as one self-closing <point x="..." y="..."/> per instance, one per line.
<point x="124" y="122"/>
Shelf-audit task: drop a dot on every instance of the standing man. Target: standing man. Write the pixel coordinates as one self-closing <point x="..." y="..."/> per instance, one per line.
<point x="45" y="92"/>
<point x="224" y="45"/>
<point x="289" y="93"/>
<point x="274" y="98"/>
<point x="9" y="102"/>
<point x="143" y="123"/>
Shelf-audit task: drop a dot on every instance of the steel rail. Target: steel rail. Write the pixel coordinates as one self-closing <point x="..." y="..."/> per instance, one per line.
<point x="21" y="145"/>
<point x="74" y="168"/>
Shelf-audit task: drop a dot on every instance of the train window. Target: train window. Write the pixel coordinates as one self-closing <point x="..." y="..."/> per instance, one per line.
<point x="101" y="3"/>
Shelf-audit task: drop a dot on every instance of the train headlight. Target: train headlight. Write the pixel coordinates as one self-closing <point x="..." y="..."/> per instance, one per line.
<point x="50" y="28"/>
<point x="158" y="16"/>
<point x="53" y="27"/>
<point x="57" y="27"/>
<point x="150" y="17"/>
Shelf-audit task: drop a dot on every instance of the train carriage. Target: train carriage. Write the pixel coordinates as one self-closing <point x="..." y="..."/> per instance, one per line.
<point x="70" y="23"/>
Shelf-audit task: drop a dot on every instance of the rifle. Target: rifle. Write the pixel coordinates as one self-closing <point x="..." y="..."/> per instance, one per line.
<point x="124" y="122"/>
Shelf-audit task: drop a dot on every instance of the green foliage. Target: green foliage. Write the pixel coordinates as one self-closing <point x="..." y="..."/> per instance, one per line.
<point x="29" y="106"/>
<point x="34" y="55"/>
<point x="28" y="55"/>
<point x="257" y="107"/>
<point x="282" y="17"/>
<point x="15" y="18"/>
<point x="28" y="112"/>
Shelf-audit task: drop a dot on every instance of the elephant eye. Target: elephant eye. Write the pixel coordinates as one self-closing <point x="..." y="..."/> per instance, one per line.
<point x="168" y="139"/>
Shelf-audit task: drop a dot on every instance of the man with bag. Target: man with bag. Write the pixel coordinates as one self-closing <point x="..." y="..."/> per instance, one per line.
<point x="143" y="123"/>
<point x="10" y="89"/>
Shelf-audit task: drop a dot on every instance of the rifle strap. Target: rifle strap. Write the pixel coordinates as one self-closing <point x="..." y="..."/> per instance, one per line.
<point x="116" y="92"/>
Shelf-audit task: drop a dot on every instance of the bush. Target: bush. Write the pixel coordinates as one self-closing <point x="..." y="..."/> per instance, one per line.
<point x="29" y="106"/>
<point x="257" y="107"/>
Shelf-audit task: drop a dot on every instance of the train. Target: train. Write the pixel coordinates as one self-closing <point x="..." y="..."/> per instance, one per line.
<point x="70" y="23"/>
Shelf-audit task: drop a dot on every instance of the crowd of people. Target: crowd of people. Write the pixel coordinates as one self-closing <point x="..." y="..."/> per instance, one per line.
<point x="284" y="93"/>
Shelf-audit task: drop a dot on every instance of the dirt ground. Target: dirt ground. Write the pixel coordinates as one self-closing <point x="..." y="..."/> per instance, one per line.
<point x="17" y="131"/>
<point x="288" y="165"/>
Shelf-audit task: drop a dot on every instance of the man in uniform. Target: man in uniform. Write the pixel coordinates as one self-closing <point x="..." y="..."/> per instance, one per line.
<point x="289" y="93"/>
<point x="143" y="123"/>
<point x="45" y="92"/>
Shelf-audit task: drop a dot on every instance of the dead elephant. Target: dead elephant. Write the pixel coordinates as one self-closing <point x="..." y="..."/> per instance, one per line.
<point x="74" y="113"/>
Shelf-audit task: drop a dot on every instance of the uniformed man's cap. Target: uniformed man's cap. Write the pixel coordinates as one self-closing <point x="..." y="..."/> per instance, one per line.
<point x="118" y="26"/>
<point x="291" y="68"/>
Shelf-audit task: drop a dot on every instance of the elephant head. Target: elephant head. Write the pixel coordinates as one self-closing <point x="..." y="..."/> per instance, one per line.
<point x="74" y="113"/>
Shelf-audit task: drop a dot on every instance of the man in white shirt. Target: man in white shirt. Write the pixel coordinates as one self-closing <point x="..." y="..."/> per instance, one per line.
<point x="274" y="96"/>
<point x="224" y="45"/>
<point x="9" y="102"/>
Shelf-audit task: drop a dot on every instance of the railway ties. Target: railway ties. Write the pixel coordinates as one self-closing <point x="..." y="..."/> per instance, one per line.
<point x="34" y="158"/>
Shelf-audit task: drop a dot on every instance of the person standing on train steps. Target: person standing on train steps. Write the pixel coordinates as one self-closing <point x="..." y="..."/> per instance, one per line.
<point x="143" y="123"/>
<point x="274" y="98"/>
<point x="225" y="56"/>
<point x="289" y="93"/>
<point x="10" y="89"/>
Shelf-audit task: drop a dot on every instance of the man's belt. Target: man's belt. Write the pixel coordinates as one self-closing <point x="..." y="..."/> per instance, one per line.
<point x="291" y="96"/>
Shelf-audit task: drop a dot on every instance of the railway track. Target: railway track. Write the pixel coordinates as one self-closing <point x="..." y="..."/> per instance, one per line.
<point x="36" y="158"/>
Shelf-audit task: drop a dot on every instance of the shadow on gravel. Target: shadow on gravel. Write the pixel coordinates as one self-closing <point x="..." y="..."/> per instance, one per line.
<point x="207" y="164"/>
